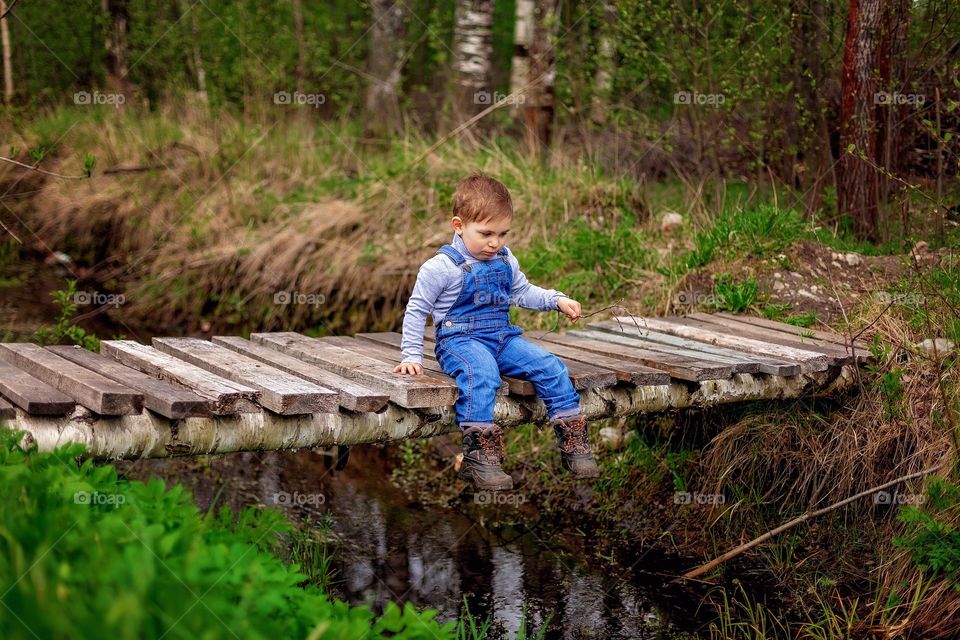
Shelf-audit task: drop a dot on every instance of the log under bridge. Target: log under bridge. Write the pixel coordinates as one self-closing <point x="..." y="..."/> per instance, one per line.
<point x="191" y="396"/>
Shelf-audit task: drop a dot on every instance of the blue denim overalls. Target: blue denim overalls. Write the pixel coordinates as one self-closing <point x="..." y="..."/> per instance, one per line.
<point x="475" y="343"/>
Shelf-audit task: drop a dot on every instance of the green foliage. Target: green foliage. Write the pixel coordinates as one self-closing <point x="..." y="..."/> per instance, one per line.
<point x="63" y="328"/>
<point x="85" y="554"/>
<point x="759" y="231"/>
<point x="735" y="297"/>
<point x="592" y="263"/>
<point x="932" y="534"/>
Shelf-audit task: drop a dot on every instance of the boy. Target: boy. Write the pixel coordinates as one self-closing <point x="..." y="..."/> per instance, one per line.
<point x="468" y="287"/>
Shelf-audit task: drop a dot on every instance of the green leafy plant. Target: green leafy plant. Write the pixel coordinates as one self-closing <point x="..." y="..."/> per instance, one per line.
<point x="63" y="328"/>
<point x="735" y="297"/>
<point x="85" y="554"/>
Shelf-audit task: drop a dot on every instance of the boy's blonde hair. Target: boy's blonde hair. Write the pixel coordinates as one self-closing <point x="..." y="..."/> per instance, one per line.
<point x="479" y="198"/>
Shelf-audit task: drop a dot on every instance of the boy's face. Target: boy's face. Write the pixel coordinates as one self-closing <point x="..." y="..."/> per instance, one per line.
<point x="483" y="239"/>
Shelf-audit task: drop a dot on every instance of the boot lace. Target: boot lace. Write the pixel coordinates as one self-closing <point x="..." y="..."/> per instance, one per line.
<point x="490" y="443"/>
<point x="574" y="435"/>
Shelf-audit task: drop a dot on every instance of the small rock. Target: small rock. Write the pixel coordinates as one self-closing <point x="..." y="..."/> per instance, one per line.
<point x="920" y="247"/>
<point x="777" y="275"/>
<point x="944" y="347"/>
<point x="807" y="294"/>
<point x="779" y="286"/>
<point x="853" y="259"/>
<point x="836" y="264"/>
<point x="670" y="221"/>
<point x="796" y="275"/>
<point x="612" y="438"/>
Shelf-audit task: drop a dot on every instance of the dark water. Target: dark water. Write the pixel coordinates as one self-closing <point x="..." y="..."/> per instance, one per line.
<point x="388" y="548"/>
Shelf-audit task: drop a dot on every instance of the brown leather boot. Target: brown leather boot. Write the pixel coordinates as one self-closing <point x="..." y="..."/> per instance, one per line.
<point x="482" y="455"/>
<point x="575" y="454"/>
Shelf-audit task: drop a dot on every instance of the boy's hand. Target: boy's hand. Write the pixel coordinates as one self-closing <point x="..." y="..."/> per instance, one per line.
<point x="409" y="368"/>
<point x="569" y="307"/>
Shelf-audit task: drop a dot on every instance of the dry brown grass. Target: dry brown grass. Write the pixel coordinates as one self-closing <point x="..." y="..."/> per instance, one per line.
<point x="238" y="210"/>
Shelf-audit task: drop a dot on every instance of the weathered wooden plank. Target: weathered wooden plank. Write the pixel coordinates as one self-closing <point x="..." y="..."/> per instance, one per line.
<point x="612" y="345"/>
<point x="164" y="398"/>
<point x="32" y="395"/>
<point x="742" y="362"/>
<point x="350" y="394"/>
<point x="625" y="370"/>
<point x="407" y="391"/>
<point x="226" y="397"/>
<point x="280" y="391"/>
<point x="516" y="386"/>
<point x="664" y="343"/>
<point x="95" y="392"/>
<point x="388" y="354"/>
<point x="7" y="412"/>
<point x="583" y="376"/>
<point x="814" y="336"/>
<point x="815" y="361"/>
<point x="732" y="327"/>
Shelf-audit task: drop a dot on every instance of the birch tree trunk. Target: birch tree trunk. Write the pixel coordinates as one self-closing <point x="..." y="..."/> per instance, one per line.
<point x="858" y="183"/>
<point x="606" y="50"/>
<point x="7" y="66"/>
<point x="116" y="43"/>
<point x="301" y="44"/>
<point x="384" y="66"/>
<point x="539" y="104"/>
<point x="473" y="49"/>
<point x="522" y="41"/>
<point x="198" y="59"/>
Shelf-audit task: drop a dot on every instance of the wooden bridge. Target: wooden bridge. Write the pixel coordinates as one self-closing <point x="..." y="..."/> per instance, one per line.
<point x="186" y="396"/>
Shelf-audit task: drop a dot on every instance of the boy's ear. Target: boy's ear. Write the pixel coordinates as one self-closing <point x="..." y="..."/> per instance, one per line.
<point x="457" y="224"/>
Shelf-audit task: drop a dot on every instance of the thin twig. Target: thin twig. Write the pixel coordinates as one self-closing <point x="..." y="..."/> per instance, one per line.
<point x="9" y="9"/>
<point x="807" y="516"/>
<point x="44" y="171"/>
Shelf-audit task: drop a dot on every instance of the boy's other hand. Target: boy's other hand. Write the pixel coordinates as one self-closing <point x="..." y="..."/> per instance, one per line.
<point x="409" y="368"/>
<point x="569" y="307"/>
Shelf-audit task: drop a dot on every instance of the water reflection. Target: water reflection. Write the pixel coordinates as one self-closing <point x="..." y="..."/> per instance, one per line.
<point x="387" y="549"/>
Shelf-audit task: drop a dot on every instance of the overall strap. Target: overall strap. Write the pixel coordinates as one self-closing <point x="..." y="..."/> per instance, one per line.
<point x="452" y="253"/>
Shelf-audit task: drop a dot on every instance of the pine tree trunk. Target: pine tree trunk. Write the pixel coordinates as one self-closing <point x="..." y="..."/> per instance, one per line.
<point x="383" y="64"/>
<point x="473" y="49"/>
<point x="539" y="105"/>
<point x="858" y="182"/>
<point x="7" y="66"/>
<point x="522" y="40"/>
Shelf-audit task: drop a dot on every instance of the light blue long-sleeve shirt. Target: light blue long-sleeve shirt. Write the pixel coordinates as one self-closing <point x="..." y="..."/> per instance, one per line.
<point x="438" y="285"/>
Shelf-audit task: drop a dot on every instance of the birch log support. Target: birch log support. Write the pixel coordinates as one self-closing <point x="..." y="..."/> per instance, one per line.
<point x="149" y="435"/>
